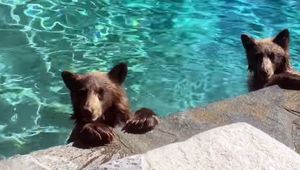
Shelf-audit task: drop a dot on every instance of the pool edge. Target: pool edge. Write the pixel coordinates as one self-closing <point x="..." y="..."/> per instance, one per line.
<point x="273" y="110"/>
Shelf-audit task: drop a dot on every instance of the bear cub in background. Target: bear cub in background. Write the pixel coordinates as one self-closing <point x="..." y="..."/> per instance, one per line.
<point x="269" y="62"/>
<point x="99" y="104"/>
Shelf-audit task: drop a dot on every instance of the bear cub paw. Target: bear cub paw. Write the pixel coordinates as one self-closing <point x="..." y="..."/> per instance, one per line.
<point x="144" y="120"/>
<point x="96" y="134"/>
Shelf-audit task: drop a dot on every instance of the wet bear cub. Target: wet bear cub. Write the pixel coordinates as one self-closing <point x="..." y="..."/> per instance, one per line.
<point x="269" y="62"/>
<point x="99" y="104"/>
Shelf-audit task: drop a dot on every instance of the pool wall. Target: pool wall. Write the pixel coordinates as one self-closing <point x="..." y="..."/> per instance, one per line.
<point x="273" y="110"/>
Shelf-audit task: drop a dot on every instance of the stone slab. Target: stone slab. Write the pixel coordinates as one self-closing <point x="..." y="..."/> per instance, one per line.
<point x="236" y="146"/>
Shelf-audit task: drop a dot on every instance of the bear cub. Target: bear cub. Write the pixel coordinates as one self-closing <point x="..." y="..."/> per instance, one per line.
<point x="269" y="62"/>
<point x="99" y="104"/>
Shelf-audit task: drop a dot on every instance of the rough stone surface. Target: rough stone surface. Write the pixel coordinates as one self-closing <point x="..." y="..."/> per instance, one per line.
<point x="272" y="110"/>
<point x="64" y="157"/>
<point x="235" y="146"/>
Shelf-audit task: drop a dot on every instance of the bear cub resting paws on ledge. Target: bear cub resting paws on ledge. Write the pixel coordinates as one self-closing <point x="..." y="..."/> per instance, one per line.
<point x="99" y="104"/>
<point x="269" y="62"/>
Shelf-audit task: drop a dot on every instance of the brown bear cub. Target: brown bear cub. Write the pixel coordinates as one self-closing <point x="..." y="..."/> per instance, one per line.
<point x="269" y="62"/>
<point x="100" y="103"/>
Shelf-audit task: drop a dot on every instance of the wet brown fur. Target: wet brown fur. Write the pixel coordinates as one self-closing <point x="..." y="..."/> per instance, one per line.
<point x="99" y="104"/>
<point x="269" y="62"/>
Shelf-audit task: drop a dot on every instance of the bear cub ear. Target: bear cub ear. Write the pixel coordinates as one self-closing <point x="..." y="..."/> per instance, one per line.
<point x="283" y="39"/>
<point x="69" y="78"/>
<point x="248" y="42"/>
<point x="118" y="73"/>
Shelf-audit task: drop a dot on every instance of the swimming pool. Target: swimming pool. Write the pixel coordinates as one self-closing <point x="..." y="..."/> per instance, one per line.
<point x="181" y="54"/>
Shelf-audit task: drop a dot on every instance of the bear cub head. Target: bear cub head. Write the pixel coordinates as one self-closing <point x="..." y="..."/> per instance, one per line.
<point x="267" y="57"/>
<point x="95" y="93"/>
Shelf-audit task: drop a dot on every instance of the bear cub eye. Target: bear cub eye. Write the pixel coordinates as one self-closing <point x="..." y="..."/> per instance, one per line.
<point x="100" y="93"/>
<point x="82" y="92"/>
<point x="258" y="57"/>
<point x="272" y="56"/>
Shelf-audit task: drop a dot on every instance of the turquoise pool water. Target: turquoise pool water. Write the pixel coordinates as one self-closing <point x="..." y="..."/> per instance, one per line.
<point x="181" y="54"/>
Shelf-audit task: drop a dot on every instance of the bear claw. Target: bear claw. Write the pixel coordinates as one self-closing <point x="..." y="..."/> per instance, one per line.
<point x="143" y="121"/>
<point x="96" y="134"/>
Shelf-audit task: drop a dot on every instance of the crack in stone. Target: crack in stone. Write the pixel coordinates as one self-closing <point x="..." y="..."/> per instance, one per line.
<point x="125" y="145"/>
<point x="294" y="112"/>
<point x="80" y="155"/>
<point x="88" y="162"/>
<point x="295" y="136"/>
<point x="169" y="133"/>
<point x="37" y="162"/>
<point x="183" y="152"/>
<point x="294" y="129"/>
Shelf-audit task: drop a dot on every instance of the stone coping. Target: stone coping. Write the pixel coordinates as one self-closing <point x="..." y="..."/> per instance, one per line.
<point x="273" y="110"/>
<point x="235" y="146"/>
